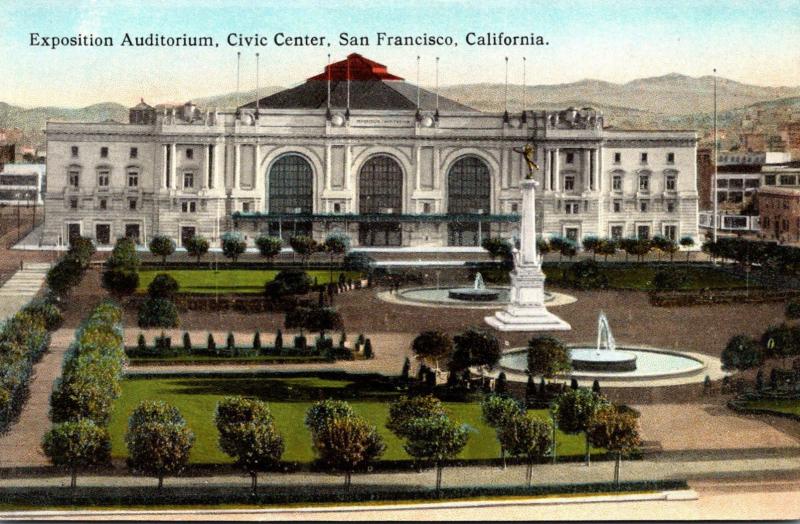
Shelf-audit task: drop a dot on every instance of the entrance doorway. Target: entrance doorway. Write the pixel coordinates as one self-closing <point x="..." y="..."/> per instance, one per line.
<point x="187" y="232"/>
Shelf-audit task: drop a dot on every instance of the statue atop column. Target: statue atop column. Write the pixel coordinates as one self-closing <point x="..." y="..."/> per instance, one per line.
<point x="529" y="153"/>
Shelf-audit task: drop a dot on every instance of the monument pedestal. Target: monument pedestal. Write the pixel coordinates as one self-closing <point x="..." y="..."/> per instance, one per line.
<point x="526" y="310"/>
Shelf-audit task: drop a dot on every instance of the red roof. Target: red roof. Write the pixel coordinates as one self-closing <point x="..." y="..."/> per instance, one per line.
<point x="360" y="68"/>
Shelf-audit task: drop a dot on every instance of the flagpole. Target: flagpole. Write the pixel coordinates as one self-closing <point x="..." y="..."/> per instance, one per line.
<point x="714" y="223"/>
<point x="437" y="84"/>
<point x="347" y="111"/>
<point x="257" y="85"/>
<point x="329" y="81"/>
<point x="524" y="84"/>
<point x="238" y="60"/>
<point x="417" y="82"/>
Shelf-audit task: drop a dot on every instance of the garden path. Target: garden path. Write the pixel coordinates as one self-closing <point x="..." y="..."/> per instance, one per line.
<point x="21" y="445"/>
<point x="21" y="288"/>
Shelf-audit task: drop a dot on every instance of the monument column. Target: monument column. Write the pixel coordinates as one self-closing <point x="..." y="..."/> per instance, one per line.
<point x="528" y="225"/>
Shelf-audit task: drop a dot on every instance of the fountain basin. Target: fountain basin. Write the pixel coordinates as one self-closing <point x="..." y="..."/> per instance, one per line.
<point x="474" y="294"/>
<point x="586" y="359"/>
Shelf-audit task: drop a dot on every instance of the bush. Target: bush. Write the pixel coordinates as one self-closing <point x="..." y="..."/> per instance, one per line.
<point x="230" y="342"/>
<point x="669" y="279"/>
<point x="47" y="311"/>
<point x="197" y="246"/>
<point x="187" y="342"/>
<point x="81" y="250"/>
<point x="304" y="246"/>
<point x="358" y="261"/>
<point x="585" y="274"/>
<point x="368" y="354"/>
<point x="233" y="245"/>
<point x="279" y="341"/>
<point x="121" y="274"/>
<point x="289" y="282"/>
<point x="269" y="247"/>
<point x="211" y="345"/>
<point x="793" y="309"/>
<point x="162" y="246"/>
<point x="741" y="352"/>
<point x="63" y="276"/>
<point x="300" y="342"/>
<point x="158" y="312"/>
<point x="163" y="286"/>
<point x="257" y="341"/>
<point x="141" y="343"/>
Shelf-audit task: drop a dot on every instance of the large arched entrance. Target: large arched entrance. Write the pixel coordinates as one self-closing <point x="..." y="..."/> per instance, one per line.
<point x="291" y="192"/>
<point x="469" y="192"/>
<point x="380" y="194"/>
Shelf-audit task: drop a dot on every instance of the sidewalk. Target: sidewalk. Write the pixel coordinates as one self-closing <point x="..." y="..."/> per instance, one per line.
<point x="21" y="288"/>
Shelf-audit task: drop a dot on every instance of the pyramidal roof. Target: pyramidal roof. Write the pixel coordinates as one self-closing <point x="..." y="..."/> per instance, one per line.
<point x="372" y="86"/>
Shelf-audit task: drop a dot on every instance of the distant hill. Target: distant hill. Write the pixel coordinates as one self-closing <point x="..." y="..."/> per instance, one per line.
<point x="662" y="102"/>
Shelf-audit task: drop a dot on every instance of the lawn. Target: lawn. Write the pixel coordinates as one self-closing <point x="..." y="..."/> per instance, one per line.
<point x="640" y="276"/>
<point x="231" y="280"/>
<point x="289" y="398"/>
<point x="781" y="406"/>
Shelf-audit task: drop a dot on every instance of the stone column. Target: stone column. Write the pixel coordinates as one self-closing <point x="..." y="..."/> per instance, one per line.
<point x="237" y="166"/>
<point x="587" y="169"/>
<point x="527" y="232"/>
<point x="204" y="169"/>
<point x="256" y="162"/>
<point x="214" y="161"/>
<point x="417" y="161"/>
<point x="556" y="170"/>
<point x="328" y="166"/>
<point x="597" y="173"/>
<point x="173" y="164"/>
<point x="348" y="160"/>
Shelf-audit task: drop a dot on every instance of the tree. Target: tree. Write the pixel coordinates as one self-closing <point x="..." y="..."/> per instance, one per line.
<point x="497" y="247"/>
<point x="543" y="246"/>
<point x="321" y="412"/>
<point x="607" y="246"/>
<point x="432" y="345"/>
<point x="158" y="440"/>
<point x="574" y="410"/>
<point x="319" y="319"/>
<point x="688" y="243"/>
<point x="358" y="261"/>
<point x="496" y="411"/>
<point x="81" y="249"/>
<point x="269" y="247"/>
<point x="640" y="247"/>
<point x="76" y="445"/>
<point x="527" y="437"/>
<point x="304" y="246"/>
<point x="669" y="247"/>
<point x="591" y="243"/>
<point x="337" y="244"/>
<point x="121" y="274"/>
<point x="247" y="433"/>
<point x="475" y="347"/>
<point x="547" y="356"/>
<point x="406" y="371"/>
<point x="615" y="430"/>
<point x="405" y="409"/>
<point x="197" y="246"/>
<point x="162" y="246"/>
<point x="163" y="286"/>
<point x="345" y="443"/>
<point x="233" y="245"/>
<point x="435" y="439"/>
<point x="288" y="282"/>
<point x="64" y="275"/>
<point x="781" y="341"/>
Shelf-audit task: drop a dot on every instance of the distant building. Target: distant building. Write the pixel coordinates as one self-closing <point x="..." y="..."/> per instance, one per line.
<point x="386" y="163"/>
<point x="790" y="135"/>
<point x="22" y="184"/>
<point x="705" y="174"/>
<point x="779" y="212"/>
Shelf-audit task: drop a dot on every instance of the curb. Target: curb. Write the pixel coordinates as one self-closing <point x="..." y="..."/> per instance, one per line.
<point x="668" y="496"/>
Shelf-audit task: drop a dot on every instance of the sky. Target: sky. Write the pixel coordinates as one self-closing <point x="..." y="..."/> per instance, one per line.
<point x="754" y="42"/>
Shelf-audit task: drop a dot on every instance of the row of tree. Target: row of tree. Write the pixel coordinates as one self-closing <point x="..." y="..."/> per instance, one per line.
<point x="744" y="352"/>
<point x="82" y="399"/>
<point x="747" y="252"/>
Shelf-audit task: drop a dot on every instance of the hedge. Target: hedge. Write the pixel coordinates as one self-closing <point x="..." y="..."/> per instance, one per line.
<point x="284" y="494"/>
<point x="23" y="340"/>
<point x="93" y="367"/>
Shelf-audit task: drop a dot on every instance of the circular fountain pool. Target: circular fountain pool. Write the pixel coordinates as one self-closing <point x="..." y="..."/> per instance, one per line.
<point x="649" y="364"/>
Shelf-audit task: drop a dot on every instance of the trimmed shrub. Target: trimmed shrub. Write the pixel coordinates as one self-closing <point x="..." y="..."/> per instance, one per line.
<point x="162" y="246"/>
<point x="158" y="312"/>
<point x="187" y="342"/>
<point x="211" y="345"/>
<point x="141" y="343"/>
<point x="47" y="311"/>
<point x="368" y="354"/>
<point x="279" y="341"/>
<point x="163" y="286"/>
<point x="257" y="341"/>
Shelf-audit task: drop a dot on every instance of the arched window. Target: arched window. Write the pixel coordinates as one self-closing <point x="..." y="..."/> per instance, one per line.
<point x="380" y="191"/>
<point x="468" y="187"/>
<point x="291" y="185"/>
<point x="468" y="192"/>
<point x="380" y="186"/>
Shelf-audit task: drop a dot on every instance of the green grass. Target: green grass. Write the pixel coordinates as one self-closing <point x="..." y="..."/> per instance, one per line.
<point x="640" y="276"/>
<point x="230" y="280"/>
<point x="196" y="398"/>
<point x="781" y="406"/>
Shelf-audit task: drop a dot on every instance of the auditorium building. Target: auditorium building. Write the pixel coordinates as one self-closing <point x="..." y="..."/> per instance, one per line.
<point x="358" y="150"/>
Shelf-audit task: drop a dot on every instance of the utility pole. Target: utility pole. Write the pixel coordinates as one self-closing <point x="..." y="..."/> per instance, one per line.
<point x="714" y="223"/>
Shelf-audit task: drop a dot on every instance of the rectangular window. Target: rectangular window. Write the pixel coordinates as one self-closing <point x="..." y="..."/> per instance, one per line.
<point x="722" y="182"/>
<point x="189" y="153"/>
<point x="643" y="158"/>
<point x="133" y="179"/>
<point x="670" y="158"/>
<point x="570" y="158"/>
<point x="103" y="178"/>
<point x="670" y="183"/>
<point x="616" y="183"/>
<point x="670" y="207"/>
<point x="74" y="151"/>
<point x="103" y="152"/>
<point x="132" y="232"/>
<point x="616" y="232"/>
<point x="191" y="206"/>
<point x="132" y="204"/>
<point x="644" y="183"/>
<point x="245" y="207"/>
<point x="643" y="232"/>
<point x="736" y="183"/>
<point x="617" y="158"/>
<point x="788" y="180"/>
<point x="188" y="180"/>
<point x="134" y="152"/>
<point x="515" y="208"/>
<point x="73" y="203"/>
<point x="569" y="183"/>
<point x="671" y="232"/>
<point x="769" y="180"/>
<point x="617" y="206"/>
<point x="74" y="179"/>
<point x="102" y="233"/>
<point x="103" y="203"/>
<point x="751" y="183"/>
<point x="337" y="208"/>
<point x="643" y="205"/>
<point x="572" y="208"/>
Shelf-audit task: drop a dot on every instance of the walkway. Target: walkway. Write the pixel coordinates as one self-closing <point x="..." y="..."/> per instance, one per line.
<point x="20" y="446"/>
<point x="21" y="288"/>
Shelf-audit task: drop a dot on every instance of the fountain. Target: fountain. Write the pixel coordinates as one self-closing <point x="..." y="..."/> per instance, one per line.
<point x="604" y="357"/>
<point x="477" y="293"/>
